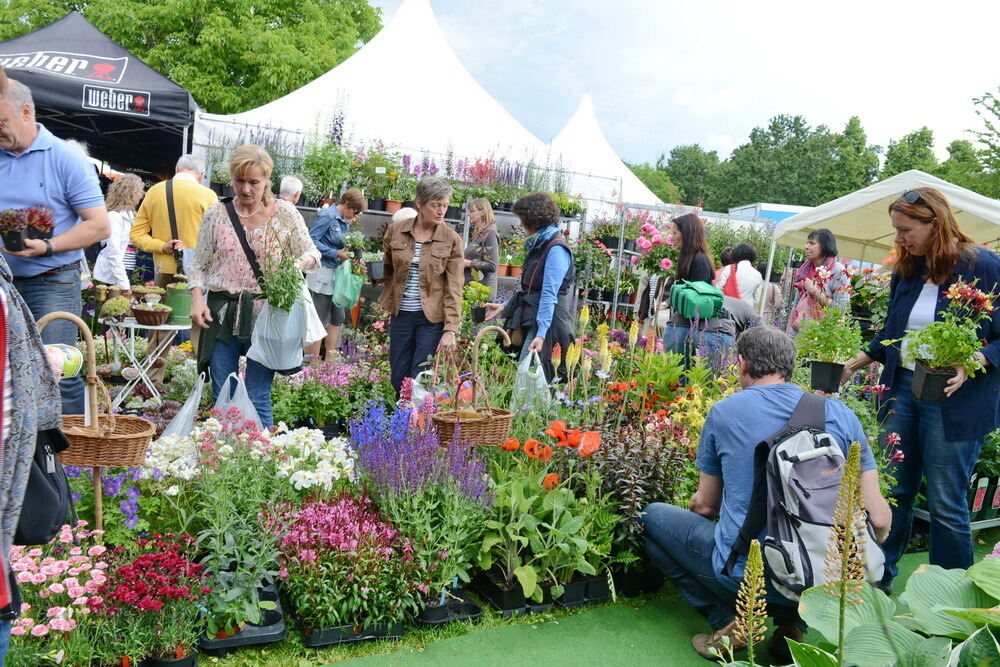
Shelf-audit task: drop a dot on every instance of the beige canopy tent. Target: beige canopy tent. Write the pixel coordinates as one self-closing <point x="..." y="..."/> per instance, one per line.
<point x="860" y="220"/>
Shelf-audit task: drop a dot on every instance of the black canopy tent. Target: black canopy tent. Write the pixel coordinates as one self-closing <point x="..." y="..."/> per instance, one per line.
<point x="87" y="87"/>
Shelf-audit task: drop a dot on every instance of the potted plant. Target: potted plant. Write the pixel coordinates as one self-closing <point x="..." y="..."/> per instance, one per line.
<point x="475" y="296"/>
<point x="349" y="548"/>
<point x="151" y="314"/>
<point x="13" y="228"/>
<point x="988" y="467"/>
<point x="149" y="292"/>
<point x="325" y="168"/>
<point x="828" y="342"/>
<point x="41" y="221"/>
<point x="354" y="242"/>
<point x="941" y="346"/>
<point x="317" y="396"/>
<point x="606" y="230"/>
<point x="115" y="308"/>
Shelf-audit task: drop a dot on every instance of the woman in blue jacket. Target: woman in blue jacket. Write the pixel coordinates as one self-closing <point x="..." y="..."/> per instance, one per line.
<point x="939" y="440"/>
<point x="327" y="233"/>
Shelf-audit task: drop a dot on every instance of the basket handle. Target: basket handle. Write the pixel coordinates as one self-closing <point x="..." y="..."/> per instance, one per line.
<point x="92" y="380"/>
<point x="475" y="360"/>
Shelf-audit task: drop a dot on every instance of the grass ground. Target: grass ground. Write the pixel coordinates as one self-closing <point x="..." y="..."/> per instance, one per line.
<point x="649" y="630"/>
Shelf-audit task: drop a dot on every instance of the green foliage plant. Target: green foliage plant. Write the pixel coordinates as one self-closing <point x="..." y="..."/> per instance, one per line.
<point x="833" y="337"/>
<point x="325" y="167"/>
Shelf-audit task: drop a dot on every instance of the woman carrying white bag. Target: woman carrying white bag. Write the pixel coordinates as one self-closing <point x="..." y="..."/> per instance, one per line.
<point x="226" y="294"/>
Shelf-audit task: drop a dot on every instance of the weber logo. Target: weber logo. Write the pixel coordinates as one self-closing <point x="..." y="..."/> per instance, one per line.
<point x="72" y="65"/>
<point x="116" y="100"/>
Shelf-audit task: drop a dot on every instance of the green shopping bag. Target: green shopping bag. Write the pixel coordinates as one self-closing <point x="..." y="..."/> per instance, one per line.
<point x="696" y="299"/>
<point x="346" y="286"/>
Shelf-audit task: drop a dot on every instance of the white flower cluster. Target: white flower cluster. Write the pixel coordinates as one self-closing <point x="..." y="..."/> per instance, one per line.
<point x="176" y="456"/>
<point x="308" y="460"/>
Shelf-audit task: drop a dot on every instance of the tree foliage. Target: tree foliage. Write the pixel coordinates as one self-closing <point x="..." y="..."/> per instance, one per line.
<point x="657" y="181"/>
<point x="914" y="151"/>
<point x="232" y="55"/>
<point x="689" y="168"/>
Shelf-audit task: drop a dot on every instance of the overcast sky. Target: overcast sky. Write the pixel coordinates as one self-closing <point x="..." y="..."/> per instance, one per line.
<point x="669" y="72"/>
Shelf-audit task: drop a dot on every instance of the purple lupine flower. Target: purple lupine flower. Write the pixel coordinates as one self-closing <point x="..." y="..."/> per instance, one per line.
<point x="406" y="163"/>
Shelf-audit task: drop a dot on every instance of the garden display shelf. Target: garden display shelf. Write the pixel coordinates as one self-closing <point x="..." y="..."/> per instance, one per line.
<point x="460" y="608"/>
<point x="272" y="629"/>
<point x="922" y="514"/>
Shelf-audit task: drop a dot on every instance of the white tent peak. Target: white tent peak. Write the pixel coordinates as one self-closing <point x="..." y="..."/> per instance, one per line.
<point x="583" y="148"/>
<point x="860" y="220"/>
<point x="406" y="87"/>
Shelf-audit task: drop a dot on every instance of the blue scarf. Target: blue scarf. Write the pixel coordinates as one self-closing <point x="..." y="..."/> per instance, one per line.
<point x="541" y="237"/>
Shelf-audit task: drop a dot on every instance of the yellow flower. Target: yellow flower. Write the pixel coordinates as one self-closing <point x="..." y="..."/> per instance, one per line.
<point x="633" y="333"/>
<point x="605" y="358"/>
<point x="573" y="356"/>
<point x="584" y="318"/>
<point x="585" y="367"/>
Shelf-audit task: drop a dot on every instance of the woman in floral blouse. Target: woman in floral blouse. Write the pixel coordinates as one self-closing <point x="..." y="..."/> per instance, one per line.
<point x="225" y="294"/>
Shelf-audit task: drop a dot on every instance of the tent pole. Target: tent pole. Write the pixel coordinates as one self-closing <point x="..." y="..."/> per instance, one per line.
<point x="184" y="145"/>
<point x="767" y="279"/>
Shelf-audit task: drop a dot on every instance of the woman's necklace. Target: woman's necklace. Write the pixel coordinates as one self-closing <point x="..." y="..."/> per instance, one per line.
<point x="249" y="215"/>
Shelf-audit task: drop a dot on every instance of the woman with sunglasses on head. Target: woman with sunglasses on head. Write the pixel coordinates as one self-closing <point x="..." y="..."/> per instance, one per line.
<point x="821" y="281"/>
<point x="939" y="440"/>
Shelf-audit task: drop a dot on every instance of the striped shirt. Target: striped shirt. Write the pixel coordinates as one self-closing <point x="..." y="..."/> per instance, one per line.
<point x="411" y="293"/>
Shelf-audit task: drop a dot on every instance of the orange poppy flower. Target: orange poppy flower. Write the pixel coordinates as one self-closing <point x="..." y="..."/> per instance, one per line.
<point x="574" y="437"/>
<point x="531" y="449"/>
<point x="544" y="453"/>
<point x="510" y="445"/>
<point x="590" y="444"/>
<point x="557" y="430"/>
<point x="550" y="482"/>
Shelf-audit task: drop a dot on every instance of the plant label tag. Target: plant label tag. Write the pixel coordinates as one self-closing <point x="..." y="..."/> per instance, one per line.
<point x="996" y="498"/>
<point x="379" y="170"/>
<point x="977" y="503"/>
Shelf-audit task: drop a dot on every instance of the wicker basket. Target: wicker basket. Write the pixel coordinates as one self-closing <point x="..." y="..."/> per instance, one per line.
<point x="491" y="426"/>
<point x="151" y="318"/>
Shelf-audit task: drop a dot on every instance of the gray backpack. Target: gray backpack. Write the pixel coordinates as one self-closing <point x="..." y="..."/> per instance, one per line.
<point x="797" y="476"/>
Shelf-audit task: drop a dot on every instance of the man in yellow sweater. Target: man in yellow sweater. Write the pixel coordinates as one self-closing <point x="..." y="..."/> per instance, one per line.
<point x="151" y="230"/>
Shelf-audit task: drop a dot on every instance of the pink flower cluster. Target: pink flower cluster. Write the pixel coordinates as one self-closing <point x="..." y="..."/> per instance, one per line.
<point x="233" y="430"/>
<point x="58" y="583"/>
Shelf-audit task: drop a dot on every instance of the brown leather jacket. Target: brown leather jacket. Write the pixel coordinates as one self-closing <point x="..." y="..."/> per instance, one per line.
<point x="441" y="272"/>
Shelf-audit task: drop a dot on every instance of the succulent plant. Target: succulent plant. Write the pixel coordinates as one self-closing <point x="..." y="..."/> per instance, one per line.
<point x="115" y="307"/>
<point x="178" y="286"/>
<point x="147" y="289"/>
<point x="41" y="218"/>
<point x="13" y="220"/>
<point x="151" y="306"/>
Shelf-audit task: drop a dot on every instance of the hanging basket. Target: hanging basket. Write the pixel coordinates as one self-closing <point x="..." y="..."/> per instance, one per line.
<point x="490" y="426"/>
<point x="114" y="441"/>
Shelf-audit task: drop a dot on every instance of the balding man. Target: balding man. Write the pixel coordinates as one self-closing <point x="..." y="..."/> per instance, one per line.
<point x="39" y="169"/>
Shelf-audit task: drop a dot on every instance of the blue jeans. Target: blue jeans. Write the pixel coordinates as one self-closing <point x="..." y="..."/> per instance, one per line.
<point x="412" y="339"/>
<point x="946" y="465"/>
<point x="47" y="294"/>
<point x="5" y="627"/>
<point x="680" y="543"/>
<point x="225" y="360"/>
<point x="689" y="342"/>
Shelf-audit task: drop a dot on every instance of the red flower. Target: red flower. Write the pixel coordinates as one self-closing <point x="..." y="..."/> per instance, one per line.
<point x="511" y="445"/>
<point x="531" y="449"/>
<point x="550" y="481"/>
<point x="590" y="443"/>
<point x="545" y="453"/>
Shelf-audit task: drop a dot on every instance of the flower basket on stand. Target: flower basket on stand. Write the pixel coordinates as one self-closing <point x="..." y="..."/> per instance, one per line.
<point x="100" y="439"/>
<point x="489" y="426"/>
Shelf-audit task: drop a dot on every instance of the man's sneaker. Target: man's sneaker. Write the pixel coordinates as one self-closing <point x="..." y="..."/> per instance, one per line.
<point x="779" y="647"/>
<point x="703" y="644"/>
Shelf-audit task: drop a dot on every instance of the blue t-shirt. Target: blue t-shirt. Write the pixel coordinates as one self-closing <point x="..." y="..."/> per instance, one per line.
<point x="732" y="431"/>
<point x="48" y="173"/>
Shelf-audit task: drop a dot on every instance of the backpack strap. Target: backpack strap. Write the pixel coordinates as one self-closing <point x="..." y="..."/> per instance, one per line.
<point x="809" y="412"/>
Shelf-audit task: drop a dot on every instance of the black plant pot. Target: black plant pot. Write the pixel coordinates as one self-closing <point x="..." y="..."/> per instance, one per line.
<point x="545" y="604"/>
<point x="594" y="295"/>
<point x="478" y="314"/>
<point x="222" y="189"/>
<point x="376" y="270"/>
<point x="454" y="213"/>
<point x="509" y="602"/>
<point x="625" y="297"/>
<point x="409" y="203"/>
<point x="190" y="660"/>
<point x="376" y="204"/>
<point x="14" y="240"/>
<point x="574" y="594"/>
<point x="452" y="610"/>
<point x="610" y="242"/>
<point x="505" y="205"/>
<point x="607" y="295"/>
<point x="630" y="245"/>
<point x="629" y="583"/>
<point x="345" y="634"/>
<point x="929" y="383"/>
<point x="270" y="630"/>
<point x="825" y="376"/>
<point x="38" y="234"/>
<point x="598" y="589"/>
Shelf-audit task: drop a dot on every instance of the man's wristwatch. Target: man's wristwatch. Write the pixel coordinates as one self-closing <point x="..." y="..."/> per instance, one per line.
<point x="48" y="248"/>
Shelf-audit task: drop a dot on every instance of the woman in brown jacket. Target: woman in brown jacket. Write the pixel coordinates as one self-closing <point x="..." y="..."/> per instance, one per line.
<point x="423" y="283"/>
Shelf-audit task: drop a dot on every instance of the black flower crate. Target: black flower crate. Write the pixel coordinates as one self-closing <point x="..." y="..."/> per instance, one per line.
<point x="345" y="634"/>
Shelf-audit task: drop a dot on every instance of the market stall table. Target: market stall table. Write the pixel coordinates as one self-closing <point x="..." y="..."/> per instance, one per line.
<point x="123" y="334"/>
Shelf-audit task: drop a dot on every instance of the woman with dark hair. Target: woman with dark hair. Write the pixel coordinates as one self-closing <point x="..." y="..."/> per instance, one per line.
<point x="938" y="441"/>
<point x="694" y="264"/>
<point x="738" y="278"/>
<point x="541" y="313"/>
<point x="821" y="281"/>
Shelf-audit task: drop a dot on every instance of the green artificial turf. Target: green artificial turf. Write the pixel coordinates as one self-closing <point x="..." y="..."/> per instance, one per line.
<point x="634" y="631"/>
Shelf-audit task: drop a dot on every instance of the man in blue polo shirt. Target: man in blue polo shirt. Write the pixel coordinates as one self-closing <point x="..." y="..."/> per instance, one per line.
<point x="38" y="169"/>
<point x="687" y="545"/>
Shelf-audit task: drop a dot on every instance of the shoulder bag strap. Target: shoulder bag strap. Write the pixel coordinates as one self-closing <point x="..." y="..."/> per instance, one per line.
<point x="172" y="215"/>
<point x="242" y="236"/>
<point x="541" y="262"/>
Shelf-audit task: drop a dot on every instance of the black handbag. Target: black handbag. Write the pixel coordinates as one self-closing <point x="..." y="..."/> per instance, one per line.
<point x="47" y="502"/>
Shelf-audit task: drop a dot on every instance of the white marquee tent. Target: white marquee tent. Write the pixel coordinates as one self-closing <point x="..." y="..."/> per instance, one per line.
<point x="598" y="172"/>
<point x="860" y="220"/>
<point x="410" y="51"/>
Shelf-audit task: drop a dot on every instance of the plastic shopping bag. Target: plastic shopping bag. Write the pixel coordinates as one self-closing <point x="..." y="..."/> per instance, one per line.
<point x="234" y="395"/>
<point x="530" y="386"/>
<point x="315" y="331"/>
<point x="183" y="422"/>
<point x="346" y="286"/>
<point x="278" y="336"/>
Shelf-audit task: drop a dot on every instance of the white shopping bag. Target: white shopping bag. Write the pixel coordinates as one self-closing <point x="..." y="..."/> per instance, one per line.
<point x="278" y="336"/>
<point x="183" y="421"/>
<point x="315" y="331"/>
<point x="530" y="386"/>
<point x="234" y="394"/>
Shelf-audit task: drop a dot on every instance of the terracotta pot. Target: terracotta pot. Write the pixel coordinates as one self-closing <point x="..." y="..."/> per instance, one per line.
<point x="503" y="269"/>
<point x="514" y="271"/>
<point x="393" y="205"/>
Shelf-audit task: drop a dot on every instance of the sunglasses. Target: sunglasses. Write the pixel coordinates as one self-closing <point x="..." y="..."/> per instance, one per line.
<point x="913" y="197"/>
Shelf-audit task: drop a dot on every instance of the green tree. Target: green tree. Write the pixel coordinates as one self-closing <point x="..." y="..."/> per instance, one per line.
<point x="965" y="167"/>
<point x="988" y="108"/>
<point x="232" y="55"/>
<point x="690" y="168"/>
<point x="855" y="163"/>
<point x="657" y="181"/>
<point x="913" y="151"/>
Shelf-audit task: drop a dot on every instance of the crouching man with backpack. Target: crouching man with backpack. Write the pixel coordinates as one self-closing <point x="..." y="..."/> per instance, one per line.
<point x="770" y="461"/>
